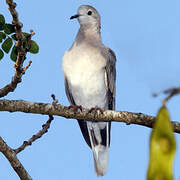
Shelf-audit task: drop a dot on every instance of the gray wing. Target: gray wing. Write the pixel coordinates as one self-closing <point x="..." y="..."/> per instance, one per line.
<point x="68" y="92"/>
<point x="110" y="75"/>
<point x="110" y="81"/>
<point x="82" y="123"/>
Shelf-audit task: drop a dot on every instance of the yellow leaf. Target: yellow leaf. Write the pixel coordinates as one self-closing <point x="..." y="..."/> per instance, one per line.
<point x="162" y="148"/>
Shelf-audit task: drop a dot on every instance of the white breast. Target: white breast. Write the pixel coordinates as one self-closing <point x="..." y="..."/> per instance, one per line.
<point x="84" y="69"/>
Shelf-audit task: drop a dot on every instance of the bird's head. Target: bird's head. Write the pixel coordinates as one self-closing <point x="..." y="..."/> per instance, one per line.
<point x="87" y="16"/>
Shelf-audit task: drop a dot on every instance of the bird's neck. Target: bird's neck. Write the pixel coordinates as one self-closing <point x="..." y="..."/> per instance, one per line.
<point x="89" y="33"/>
<point x="90" y="28"/>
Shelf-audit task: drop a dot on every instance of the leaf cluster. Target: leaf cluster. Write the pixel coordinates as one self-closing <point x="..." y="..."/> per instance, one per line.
<point x="8" y="40"/>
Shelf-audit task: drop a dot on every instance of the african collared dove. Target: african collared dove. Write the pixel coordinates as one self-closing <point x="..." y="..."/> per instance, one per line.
<point x="90" y="74"/>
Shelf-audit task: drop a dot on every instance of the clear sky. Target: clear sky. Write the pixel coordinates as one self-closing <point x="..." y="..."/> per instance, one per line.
<point x="145" y="36"/>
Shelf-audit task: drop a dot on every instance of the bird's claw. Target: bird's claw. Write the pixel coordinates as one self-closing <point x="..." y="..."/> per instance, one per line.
<point x="75" y="108"/>
<point x="95" y="110"/>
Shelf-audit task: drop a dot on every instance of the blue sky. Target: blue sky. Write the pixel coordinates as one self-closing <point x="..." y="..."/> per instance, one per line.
<point x="145" y="37"/>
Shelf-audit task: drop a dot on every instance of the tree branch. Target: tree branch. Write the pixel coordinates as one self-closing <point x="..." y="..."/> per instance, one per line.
<point x="15" y="163"/>
<point x="64" y="111"/>
<point x="21" y="56"/>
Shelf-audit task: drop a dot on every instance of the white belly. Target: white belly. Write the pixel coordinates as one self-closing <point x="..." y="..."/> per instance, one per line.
<point x="86" y="78"/>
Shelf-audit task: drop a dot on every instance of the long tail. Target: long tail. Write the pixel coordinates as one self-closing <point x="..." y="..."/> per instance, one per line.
<point x="97" y="136"/>
<point x="100" y="154"/>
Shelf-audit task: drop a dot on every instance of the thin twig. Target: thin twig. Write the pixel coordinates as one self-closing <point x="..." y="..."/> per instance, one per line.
<point x="14" y="161"/>
<point x="32" y="33"/>
<point x="55" y="101"/>
<point x="172" y="92"/>
<point x="44" y="130"/>
<point x="64" y="111"/>
<point x="29" y="64"/>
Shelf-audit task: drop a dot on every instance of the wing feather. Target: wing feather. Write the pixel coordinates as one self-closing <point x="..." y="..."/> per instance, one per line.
<point x="110" y="76"/>
<point x="82" y="123"/>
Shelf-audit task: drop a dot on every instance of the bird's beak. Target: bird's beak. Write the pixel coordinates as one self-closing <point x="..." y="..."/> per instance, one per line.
<point x="75" y="16"/>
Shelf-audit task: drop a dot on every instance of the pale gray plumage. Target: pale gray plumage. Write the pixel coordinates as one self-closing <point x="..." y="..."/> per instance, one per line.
<point x="90" y="74"/>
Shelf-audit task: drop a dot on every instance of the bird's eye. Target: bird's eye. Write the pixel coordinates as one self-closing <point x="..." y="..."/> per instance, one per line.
<point x="89" y="13"/>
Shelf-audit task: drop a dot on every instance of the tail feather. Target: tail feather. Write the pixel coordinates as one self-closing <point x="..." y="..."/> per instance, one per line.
<point x="97" y="136"/>
<point x="100" y="154"/>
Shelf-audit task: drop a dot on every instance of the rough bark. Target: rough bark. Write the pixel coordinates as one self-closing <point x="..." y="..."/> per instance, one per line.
<point x="64" y="111"/>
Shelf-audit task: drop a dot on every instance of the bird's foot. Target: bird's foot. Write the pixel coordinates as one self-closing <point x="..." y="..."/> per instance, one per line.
<point x="95" y="110"/>
<point x="75" y="108"/>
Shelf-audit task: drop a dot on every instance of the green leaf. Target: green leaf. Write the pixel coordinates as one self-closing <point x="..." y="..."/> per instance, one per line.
<point x="13" y="55"/>
<point x="2" y="36"/>
<point x="7" y="44"/>
<point x="162" y="148"/>
<point x="26" y="34"/>
<point x="1" y="54"/>
<point x="34" y="48"/>
<point x="2" y="19"/>
<point x="1" y="26"/>
<point x="14" y="37"/>
<point x="9" y="28"/>
<point x="2" y="22"/>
